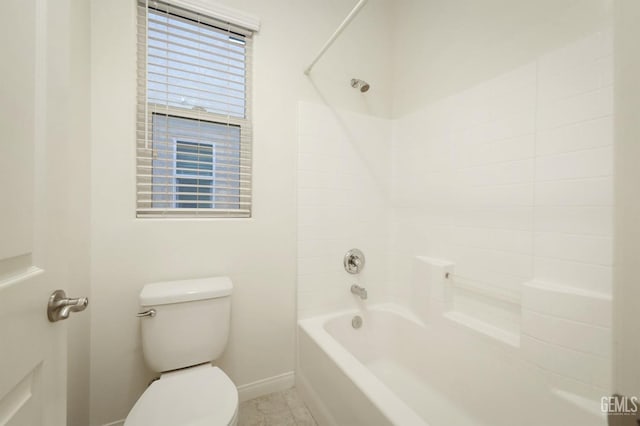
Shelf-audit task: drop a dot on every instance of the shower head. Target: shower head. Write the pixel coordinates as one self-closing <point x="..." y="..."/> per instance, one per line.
<point x="360" y="84"/>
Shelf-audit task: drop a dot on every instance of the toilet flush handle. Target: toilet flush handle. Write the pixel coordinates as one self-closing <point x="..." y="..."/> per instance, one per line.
<point x="149" y="313"/>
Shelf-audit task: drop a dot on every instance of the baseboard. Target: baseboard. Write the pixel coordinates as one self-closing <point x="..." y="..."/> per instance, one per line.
<point x="318" y="410"/>
<point x="265" y="386"/>
<point x="116" y="423"/>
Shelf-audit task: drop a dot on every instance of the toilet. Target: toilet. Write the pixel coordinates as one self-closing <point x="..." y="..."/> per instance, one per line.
<point x="184" y="327"/>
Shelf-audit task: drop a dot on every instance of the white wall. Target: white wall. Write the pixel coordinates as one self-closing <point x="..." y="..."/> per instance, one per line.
<point x="259" y="254"/>
<point x="443" y="47"/>
<point x="343" y="203"/>
<point x="503" y="164"/>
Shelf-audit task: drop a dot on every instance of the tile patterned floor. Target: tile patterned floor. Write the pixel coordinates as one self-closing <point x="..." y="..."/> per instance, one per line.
<point x="276" y="409"/>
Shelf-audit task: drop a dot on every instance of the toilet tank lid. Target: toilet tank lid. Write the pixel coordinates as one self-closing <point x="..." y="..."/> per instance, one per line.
<point x="162" y="293"/>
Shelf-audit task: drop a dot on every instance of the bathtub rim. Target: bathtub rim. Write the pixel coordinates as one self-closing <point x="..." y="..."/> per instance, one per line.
<point x="394" y="409"/>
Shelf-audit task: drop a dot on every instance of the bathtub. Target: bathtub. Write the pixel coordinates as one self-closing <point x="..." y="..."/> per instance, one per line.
<point x="397" y="370"/>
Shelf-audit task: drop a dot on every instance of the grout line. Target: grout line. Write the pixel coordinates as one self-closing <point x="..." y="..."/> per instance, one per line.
<point x="563" y="206"/>
<point x="608" y="237"/>
<point x="575" y="179"/>
<point x="574" y="234"/>
<point x="561" y="376"/>
<point x="499" y="140"/>
<point x="555" y="317"/>
<point x="499" y="162"/>
<point x="572" y="179"/>
<point x="548" y="343"/>
<point x="561" y="153"/>
<point x="582" y="93"/>
<point x="577" y="123"/>
<point x="581" y="262"/>
<point x="486" y="206"/>
<point x="492" y="249"/>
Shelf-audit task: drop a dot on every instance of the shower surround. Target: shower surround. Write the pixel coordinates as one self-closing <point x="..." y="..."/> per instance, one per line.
<point x="509" y="183"/>
<point x="344" y="176"/>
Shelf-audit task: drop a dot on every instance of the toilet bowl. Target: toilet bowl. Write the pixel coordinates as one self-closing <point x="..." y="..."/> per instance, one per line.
<point x="184" y="327"/>
<point x="196" y="396"/>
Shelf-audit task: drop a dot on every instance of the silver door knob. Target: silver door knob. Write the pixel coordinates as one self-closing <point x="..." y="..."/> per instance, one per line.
<point x="60" y="306"/>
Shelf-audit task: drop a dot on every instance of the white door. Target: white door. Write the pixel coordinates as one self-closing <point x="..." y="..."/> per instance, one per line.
<point x="33" y="51"/>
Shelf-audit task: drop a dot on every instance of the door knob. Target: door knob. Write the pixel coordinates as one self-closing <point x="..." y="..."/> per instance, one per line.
<point x="60" y="306"/>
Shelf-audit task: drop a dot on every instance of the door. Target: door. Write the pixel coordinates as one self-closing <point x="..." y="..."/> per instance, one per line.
<point x="33" y="59"/>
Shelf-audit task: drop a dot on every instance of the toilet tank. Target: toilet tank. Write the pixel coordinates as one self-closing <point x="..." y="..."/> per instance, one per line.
<point x="191" y="322"/>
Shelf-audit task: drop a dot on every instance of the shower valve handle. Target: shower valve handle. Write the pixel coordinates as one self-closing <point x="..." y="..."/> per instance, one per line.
<point x="353" y="261"/>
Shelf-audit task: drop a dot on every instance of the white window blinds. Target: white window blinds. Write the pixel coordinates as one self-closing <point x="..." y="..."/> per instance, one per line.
<point x="193" y="118"/>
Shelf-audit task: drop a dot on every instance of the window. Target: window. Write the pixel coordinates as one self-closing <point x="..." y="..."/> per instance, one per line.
<point x="194" y="132"/>
<point x="194" y="174"/>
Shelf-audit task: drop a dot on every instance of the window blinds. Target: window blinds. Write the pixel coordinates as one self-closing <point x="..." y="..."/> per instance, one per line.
<point x="193" y="143"/>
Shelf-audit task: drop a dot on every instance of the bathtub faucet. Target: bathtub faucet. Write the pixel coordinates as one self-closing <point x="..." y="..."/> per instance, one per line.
<point x="359" y="291"/>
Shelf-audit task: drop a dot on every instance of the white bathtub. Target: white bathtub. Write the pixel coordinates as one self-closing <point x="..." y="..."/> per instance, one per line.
<point x="398" y="370"/>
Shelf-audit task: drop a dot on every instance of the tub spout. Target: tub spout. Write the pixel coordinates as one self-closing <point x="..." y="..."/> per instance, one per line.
<point x="359" y="291"/>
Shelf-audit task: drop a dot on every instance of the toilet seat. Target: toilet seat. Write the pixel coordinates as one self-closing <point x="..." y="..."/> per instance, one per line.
<point x="195" y="396"/>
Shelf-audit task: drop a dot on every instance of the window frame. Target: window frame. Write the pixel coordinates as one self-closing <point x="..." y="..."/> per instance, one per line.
<point x="177" y="176"/>
<point x="244" y="124"/>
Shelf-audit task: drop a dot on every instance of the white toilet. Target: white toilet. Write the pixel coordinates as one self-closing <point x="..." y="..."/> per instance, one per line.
<point x="185" y="325"/>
